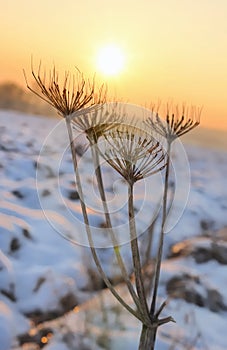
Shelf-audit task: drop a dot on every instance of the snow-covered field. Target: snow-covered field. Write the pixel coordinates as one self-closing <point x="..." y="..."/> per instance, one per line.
<point x="43" y="275"/>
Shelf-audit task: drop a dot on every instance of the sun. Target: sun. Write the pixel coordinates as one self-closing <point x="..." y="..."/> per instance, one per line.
<point x="110" y="60"/>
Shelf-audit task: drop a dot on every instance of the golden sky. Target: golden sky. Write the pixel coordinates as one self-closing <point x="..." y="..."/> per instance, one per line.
<point x="174" y="49"/>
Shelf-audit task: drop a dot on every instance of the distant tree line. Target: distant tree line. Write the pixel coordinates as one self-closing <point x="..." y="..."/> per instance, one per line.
<point x="14" y="97"/>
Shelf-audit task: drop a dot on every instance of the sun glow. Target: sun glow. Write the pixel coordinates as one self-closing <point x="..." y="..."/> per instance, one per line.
<point x="110" y="60"/>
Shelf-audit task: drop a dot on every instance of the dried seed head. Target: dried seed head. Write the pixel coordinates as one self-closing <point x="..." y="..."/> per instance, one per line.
<point x="96" y="121"/>
<point x="133" y="153"/>
<point x="175" y="124"/>
<point x="74" y="94"/>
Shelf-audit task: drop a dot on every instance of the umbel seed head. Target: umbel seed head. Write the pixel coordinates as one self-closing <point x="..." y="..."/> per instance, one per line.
<point x="133" y="153"/>
<point x="98" y="120"/>
<point x="176" y="123"/>
<point x="73" y="94"/>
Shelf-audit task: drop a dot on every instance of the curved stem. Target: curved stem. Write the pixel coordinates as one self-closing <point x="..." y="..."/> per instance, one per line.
<point x="161" y="240"/>
<point x="95" y="156"/>
<point x="86" y="222"/>
<point x="135" y="254"/>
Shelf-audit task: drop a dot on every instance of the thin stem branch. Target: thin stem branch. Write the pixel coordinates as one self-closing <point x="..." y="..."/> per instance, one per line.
<point x="121" y="264"/>
<point x="161" y="240"/>
<point x="135" y="254"/>
<point x="86" y="221"/>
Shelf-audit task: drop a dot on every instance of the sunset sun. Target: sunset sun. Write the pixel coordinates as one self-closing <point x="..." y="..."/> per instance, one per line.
<point x="110" y="60"/>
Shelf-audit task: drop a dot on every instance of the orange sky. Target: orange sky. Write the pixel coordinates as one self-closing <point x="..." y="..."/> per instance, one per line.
<point x="175" y="49"/>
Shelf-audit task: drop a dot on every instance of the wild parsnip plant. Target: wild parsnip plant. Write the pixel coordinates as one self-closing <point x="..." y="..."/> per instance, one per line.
<point x="135" y="154"/>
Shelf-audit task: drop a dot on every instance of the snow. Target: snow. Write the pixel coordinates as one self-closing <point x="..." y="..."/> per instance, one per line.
<point x="5" y="326"/>
<point x="39" y="267"/>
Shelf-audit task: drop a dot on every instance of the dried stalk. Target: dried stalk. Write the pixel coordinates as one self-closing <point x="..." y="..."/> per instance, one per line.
<point x="94" y="125"/>
<point x="95" y="156"/>
<point x="88" y="230"/>
<point x="147" y="338"/>
<point x="161" y="240"/>
<point x="135" y="253"/>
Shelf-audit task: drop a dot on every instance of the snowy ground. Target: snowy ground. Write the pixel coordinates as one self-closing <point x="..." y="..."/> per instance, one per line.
<point x="43" y="275"/>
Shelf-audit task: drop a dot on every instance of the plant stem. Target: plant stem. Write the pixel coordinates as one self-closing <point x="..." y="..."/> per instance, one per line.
<point x="135" y="254"/>
<point x="86" y="222"/>
<point x="161" y="240"/>
<point x="147" y="338"/>
<point x="95" y="156"/>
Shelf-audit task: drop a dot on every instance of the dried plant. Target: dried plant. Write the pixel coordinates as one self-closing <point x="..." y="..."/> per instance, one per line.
<point x="175" y="124"/>
<point x="171" y="127"/>
<point x="97" y="121"/>
<point x="135" y="155"/>
<point x="95" y="124"/>
<point x="72" y="95"/>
